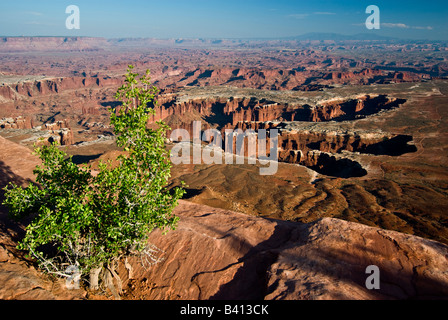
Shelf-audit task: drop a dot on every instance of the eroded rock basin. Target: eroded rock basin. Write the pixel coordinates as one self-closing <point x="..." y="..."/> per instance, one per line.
<point x="309" y="135"/>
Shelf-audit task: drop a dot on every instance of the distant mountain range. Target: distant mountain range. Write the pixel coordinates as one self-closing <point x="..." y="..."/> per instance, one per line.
<point x="339" y="37"/>
<point x="15" y="44"/>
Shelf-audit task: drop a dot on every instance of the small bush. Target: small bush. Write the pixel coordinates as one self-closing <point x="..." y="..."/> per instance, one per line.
<point x="91" y="221"/>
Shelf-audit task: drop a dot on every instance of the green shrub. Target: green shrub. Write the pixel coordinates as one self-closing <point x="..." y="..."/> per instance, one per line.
<point x="90" y="221"/>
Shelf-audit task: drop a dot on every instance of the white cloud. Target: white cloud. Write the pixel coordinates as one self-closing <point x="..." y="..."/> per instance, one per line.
<point x="424" y="28"/>
<point x="395" y="25"/>
<point x="404" y="26"/>
<point x="324" y="13"/>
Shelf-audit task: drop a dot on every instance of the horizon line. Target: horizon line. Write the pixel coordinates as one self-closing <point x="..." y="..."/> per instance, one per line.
<point x="284" y="38"/>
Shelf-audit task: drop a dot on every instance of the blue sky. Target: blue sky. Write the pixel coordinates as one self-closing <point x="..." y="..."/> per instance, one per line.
<point x="223" y="19"/>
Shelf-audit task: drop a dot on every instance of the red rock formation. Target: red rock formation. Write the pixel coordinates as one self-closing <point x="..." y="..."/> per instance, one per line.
<point x="353" y="76"/>
<point x="7" y="92"/>
<point x="57" y="125"/>
<point x="16" y="123"/>
<point x="60" y="132"/>
<point x="55" y="86"/>
<point x="90" y="110"/>
<point x="294" y="146"/>
<point x="353" y="108"/>
<point x="405" y="77"/>
<point x="234" y="111"/>
<point x="67" y="137"/>
<point x="235" y="256"/>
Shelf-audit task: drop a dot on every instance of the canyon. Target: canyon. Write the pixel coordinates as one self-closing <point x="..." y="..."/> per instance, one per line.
<point x="223" y="112"/>
<point x="298" y="142"/>
<point x="362" y="175"/>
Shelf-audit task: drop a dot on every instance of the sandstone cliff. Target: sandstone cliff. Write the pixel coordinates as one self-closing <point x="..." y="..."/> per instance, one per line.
<point x="230" y="111"/>
<point x="58" y="131"/>
<point x="16" y="123"/>
<point x="48" y="86"/>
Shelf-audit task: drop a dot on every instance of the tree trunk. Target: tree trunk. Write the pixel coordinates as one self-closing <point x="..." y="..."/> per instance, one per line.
<point x="109" y="281"/>
<point x="94" y="278"/>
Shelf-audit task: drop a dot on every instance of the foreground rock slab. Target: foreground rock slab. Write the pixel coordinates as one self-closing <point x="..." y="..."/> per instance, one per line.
<point x="21" y="281"/>
<point x="219" y="254"/>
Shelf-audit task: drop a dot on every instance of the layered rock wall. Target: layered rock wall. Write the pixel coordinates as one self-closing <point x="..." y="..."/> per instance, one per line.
<point x="235" y="110"/>
<point x="16" y="123"/>
<point x="53" y="86"/>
